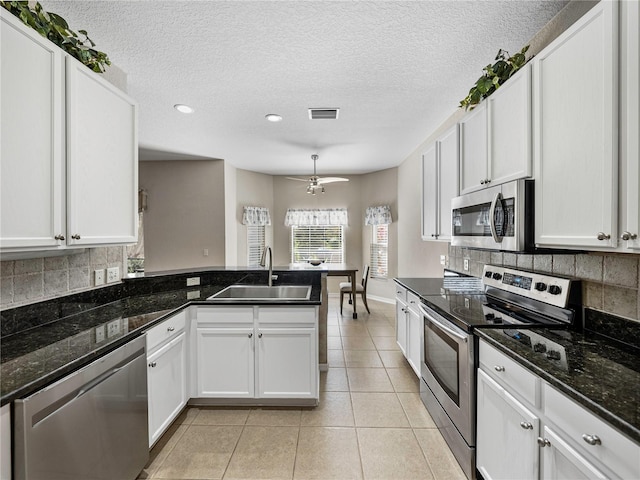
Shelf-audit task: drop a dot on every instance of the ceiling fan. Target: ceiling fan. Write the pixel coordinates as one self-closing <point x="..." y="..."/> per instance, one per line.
<point x="316" y="182"/>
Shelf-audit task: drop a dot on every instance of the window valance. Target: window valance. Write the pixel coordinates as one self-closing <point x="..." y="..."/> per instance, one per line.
<point x="325" y="216"/>
<point x="256" y="216"/>
<point x="380" y="215"/>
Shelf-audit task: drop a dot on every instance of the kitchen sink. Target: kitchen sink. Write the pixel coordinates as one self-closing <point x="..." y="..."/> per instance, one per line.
<point x="263" y="293"/>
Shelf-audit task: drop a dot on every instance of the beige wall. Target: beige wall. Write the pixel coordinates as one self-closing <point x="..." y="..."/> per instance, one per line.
<point x="254" y="190"/>
<point x="185" y="214"/>
<point x="292" y="194"/>
<point x="230" y="223"/>
<point x="381" y="188"/>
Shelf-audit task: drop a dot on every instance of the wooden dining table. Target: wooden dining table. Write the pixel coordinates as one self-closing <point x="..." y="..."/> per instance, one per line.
<point x="343" y="270"/>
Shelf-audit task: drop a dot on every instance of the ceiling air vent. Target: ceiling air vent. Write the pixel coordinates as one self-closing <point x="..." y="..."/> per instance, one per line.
<point x="323" y="113"/>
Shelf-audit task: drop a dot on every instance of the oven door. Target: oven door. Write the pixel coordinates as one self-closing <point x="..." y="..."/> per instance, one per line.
<point x="448" y="370"/>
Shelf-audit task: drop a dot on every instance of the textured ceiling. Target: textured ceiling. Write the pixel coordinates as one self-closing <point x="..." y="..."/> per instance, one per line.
<point x="396" y="70"/>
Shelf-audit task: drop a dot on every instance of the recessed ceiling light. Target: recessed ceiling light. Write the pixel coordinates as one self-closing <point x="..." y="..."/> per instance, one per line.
<point x="273" y="117"/>
<point x="183" y="108"/>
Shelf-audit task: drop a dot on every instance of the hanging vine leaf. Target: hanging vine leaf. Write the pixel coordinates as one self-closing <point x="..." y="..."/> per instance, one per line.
<point x="494" y="76"/>
<point x="56" y="29"/>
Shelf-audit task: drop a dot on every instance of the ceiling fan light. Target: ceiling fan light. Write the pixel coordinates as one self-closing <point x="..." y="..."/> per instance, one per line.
<point x="273" y="117"/>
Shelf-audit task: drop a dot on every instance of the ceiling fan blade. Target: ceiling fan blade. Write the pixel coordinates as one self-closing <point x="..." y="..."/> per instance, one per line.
<point x="299" y="179"/>
<point x="331" y="180"/>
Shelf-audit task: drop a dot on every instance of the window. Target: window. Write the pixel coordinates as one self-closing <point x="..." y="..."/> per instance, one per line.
<point x="316" y="241"/>
<point x="379" y="249"/>
<point x="255" y="244"/>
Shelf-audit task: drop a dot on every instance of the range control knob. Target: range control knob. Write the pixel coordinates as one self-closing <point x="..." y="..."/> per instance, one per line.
<point x="489" y="316"/>
<point x="553" y="355"/>
<point x="488" y="273"/>
<point x="540" y="286"/>
<point x="555" y="290"/>
<point x="539" y="348"/>
<point x="497" y="276"/>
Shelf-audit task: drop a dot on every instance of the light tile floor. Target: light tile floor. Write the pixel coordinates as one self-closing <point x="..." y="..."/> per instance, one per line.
<point x="370" y="423"/>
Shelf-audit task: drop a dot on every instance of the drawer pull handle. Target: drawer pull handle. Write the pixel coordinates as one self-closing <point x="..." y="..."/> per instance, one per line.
<point x="499" y="368"/>
<point x="170" y="329"/>
<point x="592" y="439"/>
<point x="59" y="237"/>
<point x="526" y="425"/>
<point x="544" y="442"/>
<point x="250" y="335"/>
<point x="76" y="236"/>
<point x="152" y="364"/>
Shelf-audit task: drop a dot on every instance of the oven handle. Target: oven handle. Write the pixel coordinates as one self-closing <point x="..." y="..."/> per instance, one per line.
<point x="492" y="218"/>
<point x="442" y="326"/>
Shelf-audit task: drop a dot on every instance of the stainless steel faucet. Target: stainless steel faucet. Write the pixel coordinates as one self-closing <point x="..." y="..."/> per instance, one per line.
<point x="263" y="264"/>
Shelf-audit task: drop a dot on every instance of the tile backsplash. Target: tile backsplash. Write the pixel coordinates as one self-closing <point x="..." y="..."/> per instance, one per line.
<point x="609" y="281"/>
<point x="27" y="281"/>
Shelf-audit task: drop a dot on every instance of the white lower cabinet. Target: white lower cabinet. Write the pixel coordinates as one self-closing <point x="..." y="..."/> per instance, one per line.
<point x="541" y="433"/>
<point x="5" y="442"/>
<point x="401" y="319"/>
<point x="259" y="352"/>
<point x="166" y="373"/>
<point x="506" y="434"/>
<point x="414" y="335"/>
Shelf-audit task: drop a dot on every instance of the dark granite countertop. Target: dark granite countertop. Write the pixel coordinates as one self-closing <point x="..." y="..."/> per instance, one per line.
<point x="43" y="342"/>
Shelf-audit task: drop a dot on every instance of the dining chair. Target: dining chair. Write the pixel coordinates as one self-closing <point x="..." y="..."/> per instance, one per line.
<point x="361" y="289"/>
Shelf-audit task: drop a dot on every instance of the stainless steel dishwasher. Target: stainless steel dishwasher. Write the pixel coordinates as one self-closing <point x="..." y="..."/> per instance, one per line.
<point x="91" y="424"/>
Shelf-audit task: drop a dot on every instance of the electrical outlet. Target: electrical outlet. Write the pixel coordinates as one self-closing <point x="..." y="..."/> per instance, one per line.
<point x="205" y="252"/>
<point x="466" y="265"/>
<point x="193" y="295"/>
<point x="443" y="259"/>
<point x="113" y="328"/>
<point x="100" y="334"/>
<point x="193" y="281"/>
<point x="98" y="276"/>
<point x="113" y="274"/>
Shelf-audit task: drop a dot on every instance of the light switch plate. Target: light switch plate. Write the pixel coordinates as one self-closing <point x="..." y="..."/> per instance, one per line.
<point x="466" y="265"/>
<point x="112" y="274"/>
<point x="443" y="259"/>
<point x="193" y="281"/>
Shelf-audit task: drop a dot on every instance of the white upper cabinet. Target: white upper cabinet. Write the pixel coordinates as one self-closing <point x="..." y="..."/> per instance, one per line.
<point x="575" y="84"/>
<point x="69" y="149"/>
<point x="495" y="137"/>
<point x="31" y="166"/>
<point x="629" y="228"/>
<point x="509" y="129"/>
<point x="439" y="185"/>
<point x="102" y="160"/>
<point x="473" y="150"/>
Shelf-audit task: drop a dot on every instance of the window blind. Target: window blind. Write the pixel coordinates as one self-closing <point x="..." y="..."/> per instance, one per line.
<point x="316" y="241"/>
<point x="255" y="244"/>
<point x="379" y="251"/>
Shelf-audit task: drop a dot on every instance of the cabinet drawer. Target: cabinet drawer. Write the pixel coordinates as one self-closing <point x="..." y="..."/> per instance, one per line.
<point x="401" y="293"/>
<point x="616" y="451"/>
<point x="166" y="330"/>
<point x="288" y="315"/>
<point x="233" y="315"/>
<point x="413" y="301"/>
<point x="514" y="377"/>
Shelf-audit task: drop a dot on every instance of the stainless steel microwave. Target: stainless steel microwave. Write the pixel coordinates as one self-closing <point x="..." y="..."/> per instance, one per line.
<point x="496" y="218"/>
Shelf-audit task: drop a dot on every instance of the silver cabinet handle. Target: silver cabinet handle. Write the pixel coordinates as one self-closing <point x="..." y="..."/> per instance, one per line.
<point x="76" y="236"/>
<point x="526" y="425"/>
<point x="260" y="335"/>
<point x="592" y="439"/>
<point x="250" y="335"/>
<point x="412" y="301"/>
<point x="499" y="368"/>
<point x="603" y="236"/>
<point x="628" y="236"/>
<point x="152" y="364"/>
<point x="544" y="442"/>
<point x="170" y="329"/>
<point x="59" y="237"/>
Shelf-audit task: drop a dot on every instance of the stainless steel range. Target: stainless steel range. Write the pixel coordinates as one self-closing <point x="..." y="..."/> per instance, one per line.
<point x="509" y="299"/>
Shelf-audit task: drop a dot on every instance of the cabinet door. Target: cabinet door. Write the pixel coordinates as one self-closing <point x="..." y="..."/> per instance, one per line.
<point x="225" y="362"/>
<point x="630" y="117"/>
<point x="5" y="442"/>
<point x="448" y="178"/>
<point x="287" y="363"/>
<point x="473" y="150"/>
<point x="429" y="193"/>
<point x="167" y="381"/>
<point x="510" y="129"/>
<point x="31" y="151"/>
<point x="401" y="326"/>
<point x="414" y="341"/>
<point x="575" y="134"/>
<point x="559" y="461"/>
<point x="102" y="160"/>
<point x="506" y="446"/>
